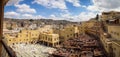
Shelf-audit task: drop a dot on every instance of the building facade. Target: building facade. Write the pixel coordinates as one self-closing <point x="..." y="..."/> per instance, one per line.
<point x="24" y="36"/>
<point x="110" y="37"/>
<point x="68" y="32"/>
<point x="49" y="39"/>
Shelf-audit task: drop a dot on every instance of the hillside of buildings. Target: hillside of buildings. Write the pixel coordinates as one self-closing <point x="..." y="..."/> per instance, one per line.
<point x="98" y="37"/>
<point x="38" y="22"/>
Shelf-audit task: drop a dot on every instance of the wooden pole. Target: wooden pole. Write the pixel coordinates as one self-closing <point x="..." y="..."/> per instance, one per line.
<point x="1" y="22"/>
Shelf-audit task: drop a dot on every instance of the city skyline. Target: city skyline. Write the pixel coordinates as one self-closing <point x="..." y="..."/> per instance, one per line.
<point x="72" y="10"/>
<point x="43" y="28"/>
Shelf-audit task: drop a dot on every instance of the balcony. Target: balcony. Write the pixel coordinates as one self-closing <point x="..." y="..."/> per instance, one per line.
<point x="7" y="51"/>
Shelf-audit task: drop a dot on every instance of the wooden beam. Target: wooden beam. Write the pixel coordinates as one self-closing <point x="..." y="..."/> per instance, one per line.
<point x="2" y="4"/>
<point x="1" y="18"/>
<point x="1" y="23"/>
<point x="5" y="2"/>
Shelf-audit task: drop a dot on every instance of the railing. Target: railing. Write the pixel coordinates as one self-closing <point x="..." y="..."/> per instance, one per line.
<point x="8" y="50"/>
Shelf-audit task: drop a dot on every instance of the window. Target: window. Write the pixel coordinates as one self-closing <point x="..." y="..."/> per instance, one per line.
<point x="111" y="32"/>
<point x="114" y="32"/>
<point x="67" y="35"/>
<point x="114" y="48"/>
<point x="9" y="40"/>
<point x="46" y="38"/>
<point x="118" y="34"/>
<point x="43" y="37"/>
<point x="50" y="39"/>
<point x="55" y="39"/>
<point x="26" y="35"/>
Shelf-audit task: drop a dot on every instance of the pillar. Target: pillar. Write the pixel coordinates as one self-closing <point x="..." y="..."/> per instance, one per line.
<point x="1" y="18"/>
<point x="1" y="23"/>
<point x="2" y="3"/>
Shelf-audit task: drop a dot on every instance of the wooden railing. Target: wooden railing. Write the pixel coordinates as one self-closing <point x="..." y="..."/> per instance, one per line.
<point x="8" y="50"/>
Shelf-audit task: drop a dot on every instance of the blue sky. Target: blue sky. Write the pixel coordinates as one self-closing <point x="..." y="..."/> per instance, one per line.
<point x="72" y="10"/>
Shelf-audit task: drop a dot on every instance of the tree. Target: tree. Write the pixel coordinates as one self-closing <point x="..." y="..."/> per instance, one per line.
<point x="31" y="20"/>
<point x="97" y="17"/>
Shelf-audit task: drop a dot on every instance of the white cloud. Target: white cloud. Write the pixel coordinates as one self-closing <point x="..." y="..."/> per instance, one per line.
<point x="52" y="16"/>
<point x="75" y="3"/>
<point x="13" y="2"/>
<point x="24" y="8"/>
<point x="60" y="4"/>
<point x="83" y="16"/>
<point x="26" y="12"/>
<point x="104" y="5"/>
<point x="27" y="16"/>
<point x="30" y="16"/>
<point x="11" y="14"/>
<point x="109" y="4"/>
<point x="65" y="15"/>
<point x="92" y="8"/>
<point x="16" y="15"/>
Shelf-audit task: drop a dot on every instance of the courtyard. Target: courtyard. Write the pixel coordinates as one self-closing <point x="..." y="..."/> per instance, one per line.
<point x="32" y="50"/>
